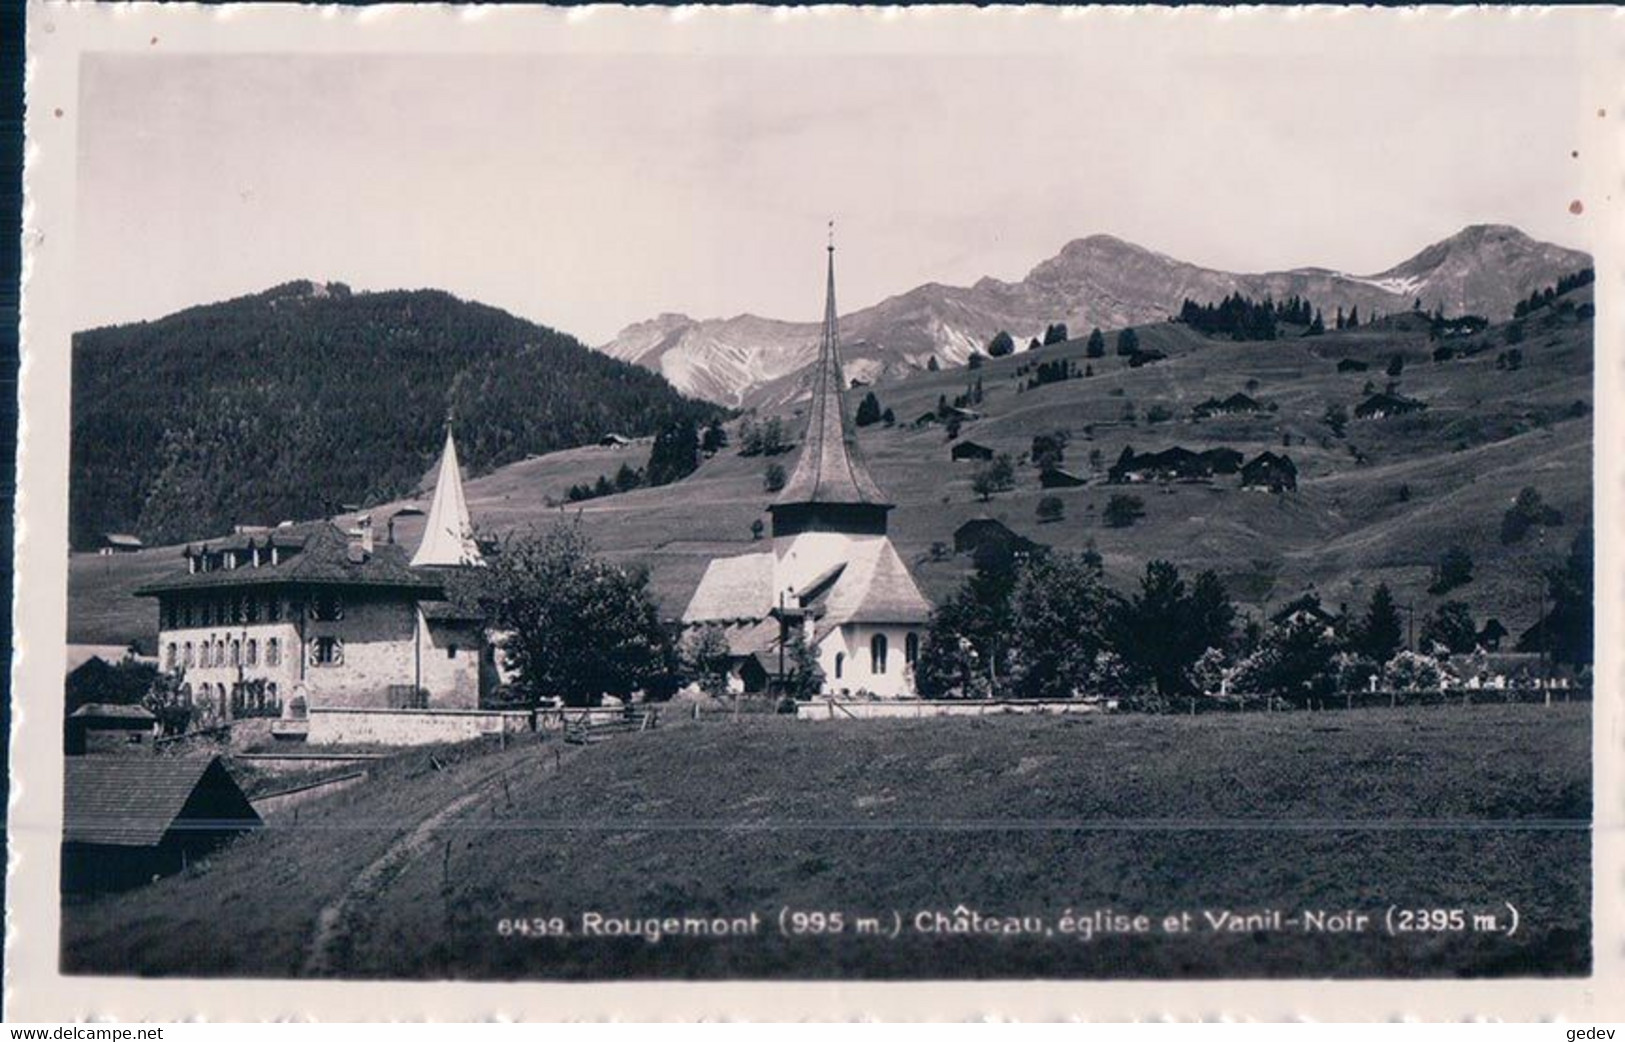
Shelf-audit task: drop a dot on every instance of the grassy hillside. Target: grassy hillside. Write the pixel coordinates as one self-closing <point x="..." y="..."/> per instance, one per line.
<point x="1427" y="808"/>
<point x="1487" y="433"/>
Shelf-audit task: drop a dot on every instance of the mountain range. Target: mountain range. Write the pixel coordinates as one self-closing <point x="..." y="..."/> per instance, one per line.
<point x="1099" y="281"/>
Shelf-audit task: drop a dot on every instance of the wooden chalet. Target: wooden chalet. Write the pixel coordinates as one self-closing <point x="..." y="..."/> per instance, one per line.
<point x="127" y="819"/>
<point x="1237" y="404"/>
<point x="1384" y="404"/>
<point x="1351" y="365"/>
<point x="102" y="728"/>
<point x="969" y="450"/>
<point x="1056" y="477"/>
<point x="1270" y="472"/>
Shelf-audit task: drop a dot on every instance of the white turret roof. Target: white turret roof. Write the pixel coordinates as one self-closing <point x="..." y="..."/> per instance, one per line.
<point x="448" y="538"/>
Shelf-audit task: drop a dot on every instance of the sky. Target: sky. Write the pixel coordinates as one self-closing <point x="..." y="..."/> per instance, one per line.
<point x="588" y="191"/>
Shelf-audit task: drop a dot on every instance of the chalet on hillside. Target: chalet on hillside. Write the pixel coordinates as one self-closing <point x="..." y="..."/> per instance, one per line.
<point x="1385" y="404"/>
<point x="970" y="450"/>
<point x="1490" y="637"/>
<point x="1055" y="477"/>
<point x="981" y="533"/>
<point x="614" y="441"/>
<point x="1237" y="404"/>
<point x="118" y="543"/>
<point x="126" y="819"/>
<point x="102" y="728"/>
<point x="1306" y="606"/>
<point x="927" y="419"/>
<point x="1269" y="472"/>
<point x="1175" y="464"/>
<point x="1352" y="365"/>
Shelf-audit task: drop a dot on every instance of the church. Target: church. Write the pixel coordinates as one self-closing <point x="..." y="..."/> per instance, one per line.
<point x="832" y="574"/>
<point x="277" y="621"/>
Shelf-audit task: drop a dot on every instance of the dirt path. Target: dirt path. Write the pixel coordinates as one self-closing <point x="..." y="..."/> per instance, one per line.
<point x="338" y="920"/>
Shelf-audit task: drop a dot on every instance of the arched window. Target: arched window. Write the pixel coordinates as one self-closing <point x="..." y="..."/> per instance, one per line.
<point x="911" y="649"/>
<point x="840" y="663"/>
<point x="220" y="655"/>
<point x="253" y="650"/>
<point x="877" y="654"/>
<point x="186" y="654"/>
<point x="273" y="651"/>
<point x="169" y="657"/>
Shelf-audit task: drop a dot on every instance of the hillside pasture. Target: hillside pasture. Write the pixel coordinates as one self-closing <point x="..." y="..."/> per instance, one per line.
<point x="1446" y="807"/>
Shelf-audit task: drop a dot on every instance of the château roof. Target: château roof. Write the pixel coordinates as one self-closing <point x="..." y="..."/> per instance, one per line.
<point x="448" y="536"/>
<point x="320" y="554"/>
<point x="831" y="468"/>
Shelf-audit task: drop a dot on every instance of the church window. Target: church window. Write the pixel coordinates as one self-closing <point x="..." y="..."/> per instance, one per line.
<point x="877" y="654"/>
<point x="911" y="649"/>
<point x="273" y="652"/>
<point x="327" y="607"/>
<point x="253" y="650"/>
<point x="840" y="663"/>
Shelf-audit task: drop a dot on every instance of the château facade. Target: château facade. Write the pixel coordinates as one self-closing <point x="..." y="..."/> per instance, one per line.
<point x="278" y="621"/>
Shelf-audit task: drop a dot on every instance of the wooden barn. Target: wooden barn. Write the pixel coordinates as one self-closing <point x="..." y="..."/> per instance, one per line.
<point x="99" y="728"/>
<point x="970" y="450"/>
<point x="1351" y="365"/>
<point x="1270" y="472"/>
<point x="1055" y="477"/>
<point x="1384" y="404"/>
<point x="127" y="819"/>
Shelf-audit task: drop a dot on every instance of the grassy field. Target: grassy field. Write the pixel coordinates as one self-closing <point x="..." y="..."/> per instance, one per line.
<point x="410" y="876"/>
<point x="1487" y="433"/>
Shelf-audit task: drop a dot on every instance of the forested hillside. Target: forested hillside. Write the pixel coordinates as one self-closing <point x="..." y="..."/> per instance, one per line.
<point x="291" y="402"/>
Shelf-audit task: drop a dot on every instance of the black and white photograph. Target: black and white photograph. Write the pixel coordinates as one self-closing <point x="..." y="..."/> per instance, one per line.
<point x="824" y="495"/>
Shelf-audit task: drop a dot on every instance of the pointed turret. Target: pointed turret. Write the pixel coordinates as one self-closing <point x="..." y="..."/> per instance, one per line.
<point x="831" y="489"/>
<point x="448" y="538"/>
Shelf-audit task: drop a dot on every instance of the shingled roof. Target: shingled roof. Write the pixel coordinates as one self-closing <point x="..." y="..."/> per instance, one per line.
<point x="831" y="467"/>
<point x="733" y="588"/>
<point x="130" y="801"/>
<point x="320" y="555"/>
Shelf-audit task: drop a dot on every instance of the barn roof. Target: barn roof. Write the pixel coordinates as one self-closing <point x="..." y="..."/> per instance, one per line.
<point x="104" y="711"/>
<point x="831" y="468"/>
<point x="322" y="557"/>
<point x="130" y="801"/>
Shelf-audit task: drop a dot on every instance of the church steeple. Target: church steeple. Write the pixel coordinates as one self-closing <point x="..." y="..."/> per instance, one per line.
<point x="830" y="489"/>
<point x="448" y="538"/>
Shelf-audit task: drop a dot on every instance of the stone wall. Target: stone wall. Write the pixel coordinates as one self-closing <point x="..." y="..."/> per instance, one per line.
<point x="353" y="726"/>
<point x="840" y="709"/>
<point x="451" y="663"/>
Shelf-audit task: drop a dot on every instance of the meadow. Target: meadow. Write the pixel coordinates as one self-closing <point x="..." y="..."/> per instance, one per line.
<point x="422" y="872"/>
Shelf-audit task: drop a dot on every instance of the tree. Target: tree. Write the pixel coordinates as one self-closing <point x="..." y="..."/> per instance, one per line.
<point x="1034" y="344"/>
<point x="1000" y="345"/>
<point x="932" y="365"/>
<point x="1051" y="508"/>
<point x="1396" y="365"/>
<point x="1096" y="345"/>
<point x="756" y="529"/>
<point x="975" y="360"/>
<point x="1128" y="341"/>
<point x="773" y="478"/>
<point x="1380" y="633"/>
<point x="1337" y="418"/>
<point x="675" y="454"/>
<point x="888" y="417"/>
<point x="1062" y="611"/>
<point x="578" y="626"/>
<point x="1455" y="568"/>
<point x="1294" y="659"/>
<point x="1055" y="334"/>
<point x="1049" y="450"/>
<point x="1450" y="627"/>
<point x="1212" y="614"/>
<point x="868" y="410"/>
<point x="1122" y="510"/>
<point x="806" y="679"/>
<point x="627" y="479"/>
<point x="706" y="658"/>
<point x="1566" y="630"/>
<point x="996" y="475"/>
<point x="1527" y="511"/>
<point x="715" y="439"/>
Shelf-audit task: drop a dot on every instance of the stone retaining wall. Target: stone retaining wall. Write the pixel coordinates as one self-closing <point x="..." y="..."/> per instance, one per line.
<point x="335" y="726"/>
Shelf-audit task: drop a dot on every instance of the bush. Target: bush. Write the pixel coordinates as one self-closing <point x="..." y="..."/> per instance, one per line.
<point x="1051" y="508"/>
<point x="773" y="478"/>
<point x="1122" y="510"/>
<point x="1159" y="413"/>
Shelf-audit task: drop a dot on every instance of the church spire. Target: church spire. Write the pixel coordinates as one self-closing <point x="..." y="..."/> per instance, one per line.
<point x="448" y="538"/>
<point x="831" y="472"/>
